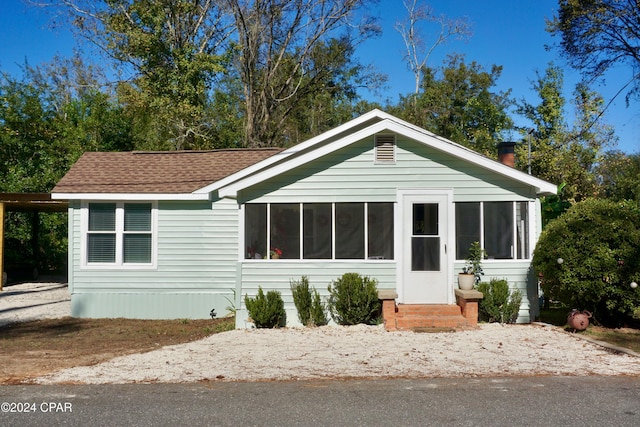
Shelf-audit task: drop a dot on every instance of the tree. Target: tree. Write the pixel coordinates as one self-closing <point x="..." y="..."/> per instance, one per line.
<point x="457" y="102"/>
<point x="167" y="52"/>
<point x="418" y="52"/>
<point x="597" y="35"/>
<point x="180" y="52"/>
<point x="324" y="100"/>
<point x="620" y="176"/>
<point x="561" y="154"/>
<point x="589" y="256"/>
<point x="548" y="122"/>
<point x="47" y="120"/>
<point x="289" y="52"/>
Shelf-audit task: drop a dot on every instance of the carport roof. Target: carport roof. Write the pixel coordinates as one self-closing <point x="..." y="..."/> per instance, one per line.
<point x="32" y="202"/>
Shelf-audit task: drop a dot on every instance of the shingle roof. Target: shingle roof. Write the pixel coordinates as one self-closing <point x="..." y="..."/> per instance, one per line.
<point x="166" y="172"/>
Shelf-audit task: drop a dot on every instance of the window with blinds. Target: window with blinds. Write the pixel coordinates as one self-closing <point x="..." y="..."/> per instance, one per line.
<point x="119" y="233"/>
<point x="137" y="233"/>
<point x="101" y="237"/>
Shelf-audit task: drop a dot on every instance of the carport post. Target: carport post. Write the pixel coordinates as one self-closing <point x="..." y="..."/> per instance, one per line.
<point x="1" y="244"/>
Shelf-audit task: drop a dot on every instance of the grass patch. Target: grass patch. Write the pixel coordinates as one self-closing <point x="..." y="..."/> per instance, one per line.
<point x="621" y="337"/>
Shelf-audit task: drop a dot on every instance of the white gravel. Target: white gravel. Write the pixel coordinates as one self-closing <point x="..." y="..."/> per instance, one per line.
<point x="34" y="301"/>
<point x="332" y="351"/>
<point x="360" y="352"/>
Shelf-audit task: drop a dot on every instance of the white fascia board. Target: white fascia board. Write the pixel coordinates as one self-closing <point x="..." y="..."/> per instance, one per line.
<point x="243" y="173"/>
<point x="293" y="150"/>
<point x="232" y="189"/>
<point x="381" y="115"/>
<point x="127" y="196"/>
<point x="464" y="153"/>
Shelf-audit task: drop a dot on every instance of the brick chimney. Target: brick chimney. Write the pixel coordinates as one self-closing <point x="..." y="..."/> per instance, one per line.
<point x="506" y="153"/>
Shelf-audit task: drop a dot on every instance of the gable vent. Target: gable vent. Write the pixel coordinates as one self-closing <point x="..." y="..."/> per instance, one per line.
<point x="385" y="148"/>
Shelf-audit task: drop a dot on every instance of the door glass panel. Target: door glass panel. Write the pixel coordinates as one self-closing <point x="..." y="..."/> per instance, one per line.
<point x="425" y="241"/>
<point x="425" y="253"/>
<point x="425" y="219"/>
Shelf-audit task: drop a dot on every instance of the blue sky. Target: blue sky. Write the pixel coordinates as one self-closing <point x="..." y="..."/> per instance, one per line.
<point x="510" y="33"/>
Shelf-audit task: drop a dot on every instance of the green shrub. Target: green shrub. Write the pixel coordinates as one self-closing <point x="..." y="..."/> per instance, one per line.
<point x="353" y="299"/>
<point x="499" y="304"/>
<point x="311" y="310"/>
<point x="302" y="299"/>
<point x="588" y="257"/>
<point x="266" y="312"/>
<point x="318" y="310"/>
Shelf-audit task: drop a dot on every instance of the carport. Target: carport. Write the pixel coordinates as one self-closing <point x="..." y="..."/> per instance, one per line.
<point x="26" y="202"/>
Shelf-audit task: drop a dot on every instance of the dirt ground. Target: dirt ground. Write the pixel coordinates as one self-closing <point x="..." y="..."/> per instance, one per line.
<point x="32" y="349"/>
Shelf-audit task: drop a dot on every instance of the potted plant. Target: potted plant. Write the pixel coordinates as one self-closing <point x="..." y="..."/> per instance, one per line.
<point x="472" y="269"/>
<point x="275" y="253"/>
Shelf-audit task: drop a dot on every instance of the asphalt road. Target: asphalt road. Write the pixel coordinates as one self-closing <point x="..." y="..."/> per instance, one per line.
<point x="545" y="401"/>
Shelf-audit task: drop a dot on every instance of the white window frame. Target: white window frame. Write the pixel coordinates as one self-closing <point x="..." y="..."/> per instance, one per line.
<point x="514" y="237"/>
<point x="119" y="263"/>
<point x="301" y="258"/>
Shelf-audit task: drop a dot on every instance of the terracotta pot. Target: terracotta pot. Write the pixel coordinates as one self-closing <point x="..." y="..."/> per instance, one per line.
<point x="466" y="281"/>
<point x="578" y="320"/>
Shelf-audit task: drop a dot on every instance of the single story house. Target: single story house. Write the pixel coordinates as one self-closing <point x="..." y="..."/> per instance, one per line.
<point x="162" y="235"/>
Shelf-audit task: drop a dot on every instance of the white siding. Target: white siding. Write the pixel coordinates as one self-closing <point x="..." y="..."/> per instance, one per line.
<point x="352" y="175"/>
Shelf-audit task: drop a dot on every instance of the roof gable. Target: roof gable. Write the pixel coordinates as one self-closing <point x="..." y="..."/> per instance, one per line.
<point x="366" y="126"/>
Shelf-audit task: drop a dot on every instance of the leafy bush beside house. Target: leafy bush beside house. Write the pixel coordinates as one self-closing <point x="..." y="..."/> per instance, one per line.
<point x="353" y="299"/>
<point x="589" y="256"/>
<point x="311" y="310"/>
<point x="499" y="303"/>
<point x="266" y="311"/>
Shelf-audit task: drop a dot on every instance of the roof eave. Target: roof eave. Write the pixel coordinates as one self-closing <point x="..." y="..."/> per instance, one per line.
<point x="130" y="196"/>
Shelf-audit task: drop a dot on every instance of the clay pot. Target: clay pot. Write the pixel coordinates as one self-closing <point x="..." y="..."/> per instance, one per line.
<point x="578" y="320"/>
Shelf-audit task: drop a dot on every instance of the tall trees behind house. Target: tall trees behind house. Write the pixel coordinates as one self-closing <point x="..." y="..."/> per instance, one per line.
<point x="184" y="57"/>
<point x="597" y="35"/>
<point x="50" y="117"/>
<point x="47" y="120"/>
<point x="461" y="102"/>
<point x="419" y="46"/>
<point x="204" y="74"/>
<point x="560" y="153"/>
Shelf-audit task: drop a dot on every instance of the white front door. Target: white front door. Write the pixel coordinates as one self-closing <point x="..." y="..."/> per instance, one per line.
<point x="425" y="230"/>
